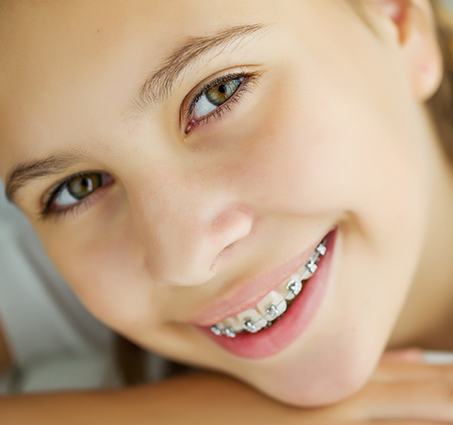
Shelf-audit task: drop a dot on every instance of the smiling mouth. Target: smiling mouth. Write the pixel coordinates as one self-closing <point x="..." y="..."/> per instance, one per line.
<point x="273" y="305"/>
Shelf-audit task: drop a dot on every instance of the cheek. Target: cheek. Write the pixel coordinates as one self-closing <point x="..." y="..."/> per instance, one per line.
<point x="107" y="277"/>
<point x="308" y="153"/>
<point x="360" y="159"/>
<point x="334" y="370"/>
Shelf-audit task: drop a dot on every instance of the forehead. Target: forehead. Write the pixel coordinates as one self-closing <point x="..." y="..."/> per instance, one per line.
<point x="70" y="66"/>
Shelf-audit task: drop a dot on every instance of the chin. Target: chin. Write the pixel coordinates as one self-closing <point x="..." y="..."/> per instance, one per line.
<point x="326" y="380"/>
<point x="323" y="392"/>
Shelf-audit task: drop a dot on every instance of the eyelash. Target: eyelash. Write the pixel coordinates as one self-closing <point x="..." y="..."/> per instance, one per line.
<point x="47" y="213"/>
<point x="245" y="86"/>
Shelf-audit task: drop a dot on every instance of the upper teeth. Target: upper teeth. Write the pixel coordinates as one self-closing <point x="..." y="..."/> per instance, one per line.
<point x="271" y="306"/>
<point x="274" y="304"/>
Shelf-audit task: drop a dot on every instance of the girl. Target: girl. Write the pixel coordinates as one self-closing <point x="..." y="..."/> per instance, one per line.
<point x="256" y="188"/>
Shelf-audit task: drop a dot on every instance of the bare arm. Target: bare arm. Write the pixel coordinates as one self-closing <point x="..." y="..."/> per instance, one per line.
<point x="202" y="398"/>
<point x="399" y="393"/>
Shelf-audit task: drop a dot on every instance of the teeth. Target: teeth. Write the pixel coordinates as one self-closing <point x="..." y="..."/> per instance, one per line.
<point x="271" y="306"/>
<point x="314" y="257"/>
<point x="229" y="327"/>
<point x="217" y="329"/>
<point x="293" y="286"/>
<point x="307" y="271"/>
<point x="274" y="304"/>
<point x="311" y="267"/>
<point x="234" y="324"/>
<point x="252" y="321"/>
<point x="321" y="248"/>
<point x="229" y="332"/>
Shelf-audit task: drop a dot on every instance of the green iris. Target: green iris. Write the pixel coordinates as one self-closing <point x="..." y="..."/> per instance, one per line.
<point x="82" y="186"/>
<point x="222" y="92"/>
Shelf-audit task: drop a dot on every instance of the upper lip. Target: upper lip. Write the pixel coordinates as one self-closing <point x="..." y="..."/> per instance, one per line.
<point x="247" y="292"/>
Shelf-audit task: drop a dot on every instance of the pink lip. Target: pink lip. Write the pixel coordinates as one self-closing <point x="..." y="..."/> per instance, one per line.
<point x="249" y="292"/>
<point x="292" y="324"/>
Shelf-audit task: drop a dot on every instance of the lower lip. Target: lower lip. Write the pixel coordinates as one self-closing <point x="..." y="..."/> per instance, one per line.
<point x="292" y="324"/>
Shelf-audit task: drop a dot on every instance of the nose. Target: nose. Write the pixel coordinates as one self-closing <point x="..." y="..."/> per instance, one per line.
<point x="186" y="236"/>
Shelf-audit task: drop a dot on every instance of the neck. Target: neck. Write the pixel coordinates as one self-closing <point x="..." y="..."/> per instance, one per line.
<point x="426" y="320"/>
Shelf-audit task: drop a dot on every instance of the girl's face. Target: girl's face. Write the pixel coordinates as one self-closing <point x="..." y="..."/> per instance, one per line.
<point x="321" y="127"/>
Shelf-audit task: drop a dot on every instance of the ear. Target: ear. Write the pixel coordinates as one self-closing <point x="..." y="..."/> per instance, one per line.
<point x="413" y="22"/>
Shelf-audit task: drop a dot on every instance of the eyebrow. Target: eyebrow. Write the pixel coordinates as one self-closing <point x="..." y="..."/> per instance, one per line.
<point x="156" y="88"/>
<point x="24" y="172"/>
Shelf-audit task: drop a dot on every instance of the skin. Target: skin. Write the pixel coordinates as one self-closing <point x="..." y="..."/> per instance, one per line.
<point x="336" y="132"/>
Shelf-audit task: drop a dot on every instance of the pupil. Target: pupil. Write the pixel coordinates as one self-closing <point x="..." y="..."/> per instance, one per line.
<point x="86" y="184"/>
<point x="82" y="186"/>
<point x="220" y="93"/>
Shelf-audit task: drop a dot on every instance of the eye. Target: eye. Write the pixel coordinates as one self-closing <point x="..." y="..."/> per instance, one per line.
<point x="212" y="98"/>
<point x="216" y="97"/>
<point x="73" y="191"/>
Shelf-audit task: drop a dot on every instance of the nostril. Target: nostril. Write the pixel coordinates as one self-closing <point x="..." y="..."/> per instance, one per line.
<point x="229" y="246"/>
<point x="221" y="255"/>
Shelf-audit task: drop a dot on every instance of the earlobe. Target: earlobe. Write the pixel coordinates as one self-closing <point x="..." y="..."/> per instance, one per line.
<point x="416" y="26"/>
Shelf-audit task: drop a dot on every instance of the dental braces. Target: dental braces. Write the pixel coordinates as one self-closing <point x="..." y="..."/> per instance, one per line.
<point x="293" y="288"/>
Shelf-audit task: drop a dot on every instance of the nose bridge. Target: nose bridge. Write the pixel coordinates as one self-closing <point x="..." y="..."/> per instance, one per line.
<point x="185" y="224"/>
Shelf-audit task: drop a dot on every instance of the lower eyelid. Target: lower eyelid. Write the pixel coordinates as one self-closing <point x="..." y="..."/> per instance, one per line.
<point x="80" y="206"/>
<point x="107" y="181"/>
